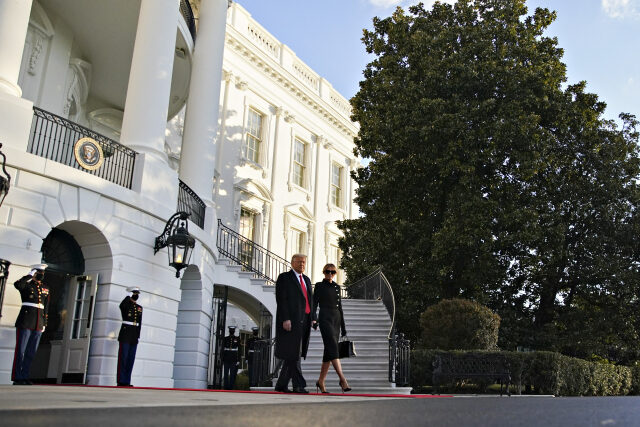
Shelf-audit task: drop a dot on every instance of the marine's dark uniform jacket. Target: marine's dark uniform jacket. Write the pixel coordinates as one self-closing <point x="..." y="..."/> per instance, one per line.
<point x="231" y="345"/>
<point x="35" y="304"/>
<point x="131" y="321"/>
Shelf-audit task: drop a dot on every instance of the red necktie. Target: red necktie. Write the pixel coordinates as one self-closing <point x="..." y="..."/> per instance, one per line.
<point x="307" y="309"/>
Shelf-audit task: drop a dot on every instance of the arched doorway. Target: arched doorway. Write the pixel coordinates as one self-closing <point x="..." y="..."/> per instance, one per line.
<point x="63" y="353"/>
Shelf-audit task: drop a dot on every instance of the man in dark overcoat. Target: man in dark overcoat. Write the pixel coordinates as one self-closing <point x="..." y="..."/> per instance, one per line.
<point x="31" y="322"/>
<point x="293" y="323"/>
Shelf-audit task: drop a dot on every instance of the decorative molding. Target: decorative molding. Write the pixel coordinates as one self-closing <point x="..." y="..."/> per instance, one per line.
<point x="289" y="118"/>
<point x="241" y="84"/>
<point x="36" y="50"/>
<point x="323" y="108"/>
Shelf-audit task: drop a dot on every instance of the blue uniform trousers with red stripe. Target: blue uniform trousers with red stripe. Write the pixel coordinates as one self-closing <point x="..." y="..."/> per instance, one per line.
<point x="126" y="357"/>
<point x="27" y="341"/>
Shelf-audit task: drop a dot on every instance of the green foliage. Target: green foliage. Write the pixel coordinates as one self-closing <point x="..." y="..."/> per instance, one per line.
<point x="546" y="373"/>
<point x="491" y="179"/>
<point x="459" y="324"/>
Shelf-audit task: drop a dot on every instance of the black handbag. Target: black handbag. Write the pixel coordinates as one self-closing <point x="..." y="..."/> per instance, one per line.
<point x="346" y="348"/>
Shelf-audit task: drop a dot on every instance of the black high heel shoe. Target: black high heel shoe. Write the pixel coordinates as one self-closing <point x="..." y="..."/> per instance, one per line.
<point x="319" y="387"/>
<point x="347" y="388"/>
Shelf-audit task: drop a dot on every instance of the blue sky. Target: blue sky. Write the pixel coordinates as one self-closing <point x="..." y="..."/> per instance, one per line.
<point x="600" y="39"/>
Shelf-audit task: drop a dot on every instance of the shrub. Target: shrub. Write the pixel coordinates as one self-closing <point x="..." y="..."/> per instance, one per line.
<point x="546" y="372"/>
<point x="459" y="324"/>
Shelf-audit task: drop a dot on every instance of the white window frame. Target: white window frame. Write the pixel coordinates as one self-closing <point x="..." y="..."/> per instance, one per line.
<point x="340" y="197"/>
<point x="261" y="145"/>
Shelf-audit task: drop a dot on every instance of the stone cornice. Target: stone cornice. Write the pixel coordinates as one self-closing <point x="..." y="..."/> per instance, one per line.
<point x="274" y="71"/>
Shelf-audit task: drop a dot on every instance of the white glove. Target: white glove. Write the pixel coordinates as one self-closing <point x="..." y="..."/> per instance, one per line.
<point x="32" y="272"/>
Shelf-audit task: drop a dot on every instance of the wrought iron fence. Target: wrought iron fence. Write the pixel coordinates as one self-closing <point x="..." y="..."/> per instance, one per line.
<point x="189" y="202"/>
<point x="187" y="14"/>
<point x="4" y="274"/>
<point x="54" y="138"/>
<point x="375" y="286"/>
<point x="251" y="256"/>
<point x="399" y="360"/>
<point x="263" y="363"/>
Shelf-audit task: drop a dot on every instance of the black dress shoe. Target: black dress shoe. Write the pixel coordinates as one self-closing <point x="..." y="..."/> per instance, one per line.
<point x="283" y="390"/>
<point x="19" y="382"/>
<point x="300" y="390"/>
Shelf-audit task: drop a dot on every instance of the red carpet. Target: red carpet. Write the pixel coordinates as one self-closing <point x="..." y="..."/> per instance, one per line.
<point x="410" y="396"/>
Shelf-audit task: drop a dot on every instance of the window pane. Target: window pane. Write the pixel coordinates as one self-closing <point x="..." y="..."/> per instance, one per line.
<point x="336" y="184"/>
<point x="247" y="229"/>
<point x="254" y="136"/>
<point x="298" y="162"/>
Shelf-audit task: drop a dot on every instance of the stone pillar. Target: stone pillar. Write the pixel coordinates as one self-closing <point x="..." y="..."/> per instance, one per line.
<point x="15" y="113"/>
<point x="197" y="159"/>
<point x="147" y="104"/>
<point x="146" y="108"/>
<point x="14" y="21"/>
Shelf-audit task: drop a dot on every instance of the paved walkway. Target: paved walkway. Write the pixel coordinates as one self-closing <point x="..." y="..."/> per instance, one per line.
<point x="68" y="406"/>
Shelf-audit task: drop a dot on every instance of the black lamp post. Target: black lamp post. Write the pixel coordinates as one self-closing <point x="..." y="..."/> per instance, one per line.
<point x="4" y="264"/>
<point x="4" y="180"/>
<point x="177" y="239"/>
<point x="4" y="273"/>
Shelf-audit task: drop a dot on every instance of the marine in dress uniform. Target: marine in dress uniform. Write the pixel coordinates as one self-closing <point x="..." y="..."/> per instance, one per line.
<point x="252" y="355"/>
<point x="31" y="322"/>
<point x="129" y="335"/>
<point x="230" y="358"/>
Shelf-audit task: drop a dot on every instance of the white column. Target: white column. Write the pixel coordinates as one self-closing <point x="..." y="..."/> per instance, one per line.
<point x="147" y="104"/>
<point x="197" y="159"/>
<point x="14" y="21"/>
<point x="16" y="113"/>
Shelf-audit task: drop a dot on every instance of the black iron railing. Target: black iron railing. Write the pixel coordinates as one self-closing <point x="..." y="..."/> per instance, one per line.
<point x="399" y="360"/>
<point x="251" y="256"/>
<point x="263" y="363"/>
<point x="189" y="202"/>
<point x="187" y="14"/>
<point x="4" y="274"/>
<point x="375" y="287"/>
<point x="54" y="137"/>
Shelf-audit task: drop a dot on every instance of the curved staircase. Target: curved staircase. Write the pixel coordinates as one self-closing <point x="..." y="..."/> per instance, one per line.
<point x="368" y="324"/>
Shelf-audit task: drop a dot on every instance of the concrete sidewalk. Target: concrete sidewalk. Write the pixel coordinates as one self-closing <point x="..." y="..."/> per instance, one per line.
<point x="68" y="397"/>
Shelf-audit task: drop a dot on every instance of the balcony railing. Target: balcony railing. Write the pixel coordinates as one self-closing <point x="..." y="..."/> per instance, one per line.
<point x="189" y="202"/>
<point x="54" y="138"/>
<point x="251" y="256"/>
<point x="187" y="14"/>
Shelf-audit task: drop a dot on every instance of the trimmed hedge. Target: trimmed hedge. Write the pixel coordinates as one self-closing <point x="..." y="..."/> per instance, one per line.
<point x="544" y="372"/>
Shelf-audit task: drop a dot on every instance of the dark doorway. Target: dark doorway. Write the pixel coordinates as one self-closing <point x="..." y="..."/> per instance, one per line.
<point x="64" y="257"/>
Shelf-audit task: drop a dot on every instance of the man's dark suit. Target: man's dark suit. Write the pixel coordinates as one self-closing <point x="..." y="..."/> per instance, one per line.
<point x="292" y="345"/>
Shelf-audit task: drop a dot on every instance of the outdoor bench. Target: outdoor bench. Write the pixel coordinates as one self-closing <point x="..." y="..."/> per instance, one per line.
<point x="471" y="366"/>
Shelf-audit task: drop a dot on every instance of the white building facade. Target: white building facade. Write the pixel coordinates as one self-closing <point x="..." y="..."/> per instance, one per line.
<point x="231" y="116"/>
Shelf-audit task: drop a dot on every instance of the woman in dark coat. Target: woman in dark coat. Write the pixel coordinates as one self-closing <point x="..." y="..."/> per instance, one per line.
<point x="327" y="295"/>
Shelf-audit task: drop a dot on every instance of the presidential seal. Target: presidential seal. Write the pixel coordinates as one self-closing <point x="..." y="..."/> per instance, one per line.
<point x="88" y="153"/>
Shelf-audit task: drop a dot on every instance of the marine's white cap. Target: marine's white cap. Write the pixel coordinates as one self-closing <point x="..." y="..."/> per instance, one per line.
<point x="40" y="267"/>
<point x="133" y="289"/>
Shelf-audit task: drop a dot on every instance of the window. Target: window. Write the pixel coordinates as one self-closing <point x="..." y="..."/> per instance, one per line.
<point x="297" y="242"/>
<point x="334" y="258"/>
<point x="254" y="136"/>
<point x="247" y="229"/>
<point x="336" y="185"/>
<point x="299" y="155"/>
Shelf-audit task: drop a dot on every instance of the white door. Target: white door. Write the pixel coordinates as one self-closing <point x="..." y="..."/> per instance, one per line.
<point x="77" y="329"/>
